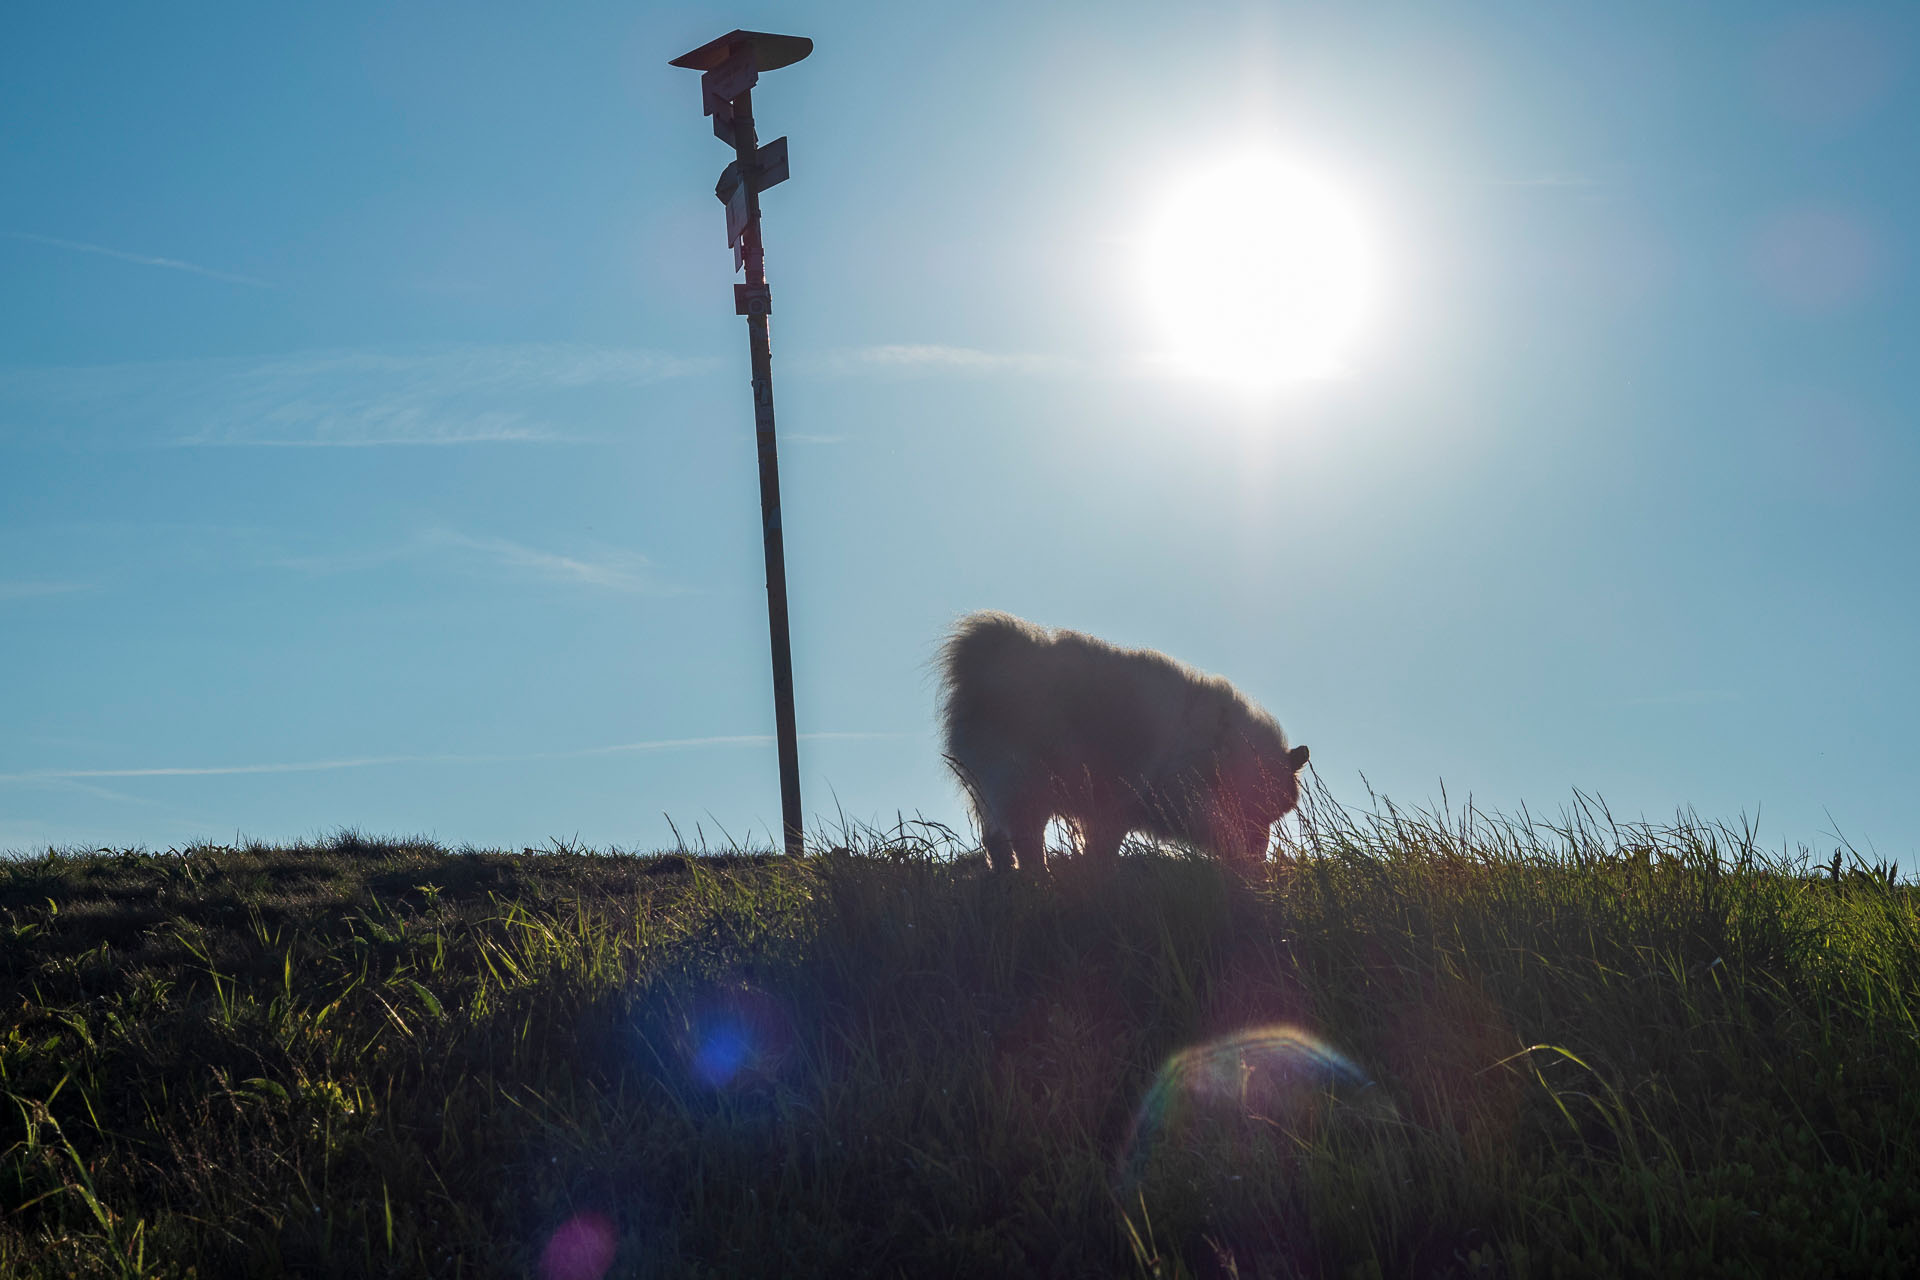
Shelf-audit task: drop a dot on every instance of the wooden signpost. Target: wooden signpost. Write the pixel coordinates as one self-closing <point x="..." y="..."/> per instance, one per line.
<point x="732" y="66"/>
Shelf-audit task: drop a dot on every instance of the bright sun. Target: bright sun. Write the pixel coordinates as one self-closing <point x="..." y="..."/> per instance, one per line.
<point x="1259" y="273"/>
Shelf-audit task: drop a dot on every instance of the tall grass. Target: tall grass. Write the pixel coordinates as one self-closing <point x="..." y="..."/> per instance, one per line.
<point x="1425" y="1045"/>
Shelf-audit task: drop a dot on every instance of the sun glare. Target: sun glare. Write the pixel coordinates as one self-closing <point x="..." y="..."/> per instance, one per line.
<point x="1259" y="273"/>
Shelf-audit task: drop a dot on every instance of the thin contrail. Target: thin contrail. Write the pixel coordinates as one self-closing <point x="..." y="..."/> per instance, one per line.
<point x="144" y="260"/>
<point x="362" y="762"/>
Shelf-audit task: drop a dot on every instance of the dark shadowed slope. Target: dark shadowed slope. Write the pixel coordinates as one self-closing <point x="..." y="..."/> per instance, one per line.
<point x="1421" y="1050"/>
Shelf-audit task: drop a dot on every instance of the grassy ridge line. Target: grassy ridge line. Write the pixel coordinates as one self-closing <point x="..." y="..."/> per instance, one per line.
<point x="1591" y="1050"/>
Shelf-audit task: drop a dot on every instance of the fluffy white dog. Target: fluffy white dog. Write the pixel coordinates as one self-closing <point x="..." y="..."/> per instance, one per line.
<point x="1043" y="723"/>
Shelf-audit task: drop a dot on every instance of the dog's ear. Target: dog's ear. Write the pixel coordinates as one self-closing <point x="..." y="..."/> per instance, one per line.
<point x="1297" y="758"/>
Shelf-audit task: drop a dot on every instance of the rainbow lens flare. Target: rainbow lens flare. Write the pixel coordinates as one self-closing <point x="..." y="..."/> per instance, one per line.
<point x="1271" y="1073"/>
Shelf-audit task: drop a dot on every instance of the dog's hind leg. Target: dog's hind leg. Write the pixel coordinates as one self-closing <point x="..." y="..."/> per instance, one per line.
<point x="1028" y="831"/>
<point x="999" y="847"/>
<point x="1100" y="841"/>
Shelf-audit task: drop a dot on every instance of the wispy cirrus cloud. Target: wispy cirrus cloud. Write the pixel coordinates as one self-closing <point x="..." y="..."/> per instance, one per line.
<point x="609" y="569"/>
<point x="35" y="590"/>
<point x="355" y="399"/>
<point x="91" y="789"/>
<point x="605" y="568"/>
<point x="933" y="358"/>
<point x="49" y="776"/>
<point x="143" y="259"/>
<point x="456" y="395"/>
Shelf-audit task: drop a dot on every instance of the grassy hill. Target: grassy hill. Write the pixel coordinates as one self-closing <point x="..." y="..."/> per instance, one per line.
<point x="1424" y="1048"/>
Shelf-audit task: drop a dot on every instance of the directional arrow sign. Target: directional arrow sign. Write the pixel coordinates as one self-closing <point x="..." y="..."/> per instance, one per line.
<point x="769" y="169"/>
<point x="770" y="164"/>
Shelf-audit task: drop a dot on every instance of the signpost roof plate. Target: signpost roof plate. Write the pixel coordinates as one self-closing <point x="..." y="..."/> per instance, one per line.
<point x="770" y="52"/>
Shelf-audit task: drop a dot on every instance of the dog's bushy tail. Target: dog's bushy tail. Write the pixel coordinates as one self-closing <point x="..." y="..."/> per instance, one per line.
<point x="981" y="650"/>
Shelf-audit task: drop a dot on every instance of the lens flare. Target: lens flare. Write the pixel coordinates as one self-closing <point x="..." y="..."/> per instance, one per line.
<point x="1263" y="1072"/>
<point x="734" y="1035"/>
<point x="721" y="1053"/>
<point x="582" y="1248"/>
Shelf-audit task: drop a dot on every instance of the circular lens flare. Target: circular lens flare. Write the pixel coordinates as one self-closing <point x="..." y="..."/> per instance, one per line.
<point x="1261" y="1071"/>
<point x="1258" y="272"/>
<point x="734" y="1035"/>
<point x="722" y="1051"/>
<point x="583" y="1248"/>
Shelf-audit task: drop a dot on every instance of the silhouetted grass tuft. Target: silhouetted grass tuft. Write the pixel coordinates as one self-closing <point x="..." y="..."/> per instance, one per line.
<point x="1427" y="1046"/>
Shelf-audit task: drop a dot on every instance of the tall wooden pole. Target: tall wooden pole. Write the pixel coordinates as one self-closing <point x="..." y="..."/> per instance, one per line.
<point x="731" y="66"/>
<point x="756" y="302"/>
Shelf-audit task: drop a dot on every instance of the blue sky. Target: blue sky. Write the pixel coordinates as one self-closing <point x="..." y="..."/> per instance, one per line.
<point x="375" y="444"/>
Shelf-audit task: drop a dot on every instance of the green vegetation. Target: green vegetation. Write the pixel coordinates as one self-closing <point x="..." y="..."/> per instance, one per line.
<point x="1520" y="1050"/>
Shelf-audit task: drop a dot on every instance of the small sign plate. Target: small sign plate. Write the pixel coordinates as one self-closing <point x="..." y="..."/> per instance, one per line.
<point x="770" y="164"/>
<point x="737" y="213"/>
<point x="752" y="300"/>
<point x="731" y="78"/>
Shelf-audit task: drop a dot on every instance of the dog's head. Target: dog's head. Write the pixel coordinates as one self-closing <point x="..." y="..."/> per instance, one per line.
<point x="1255" y="789"/>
